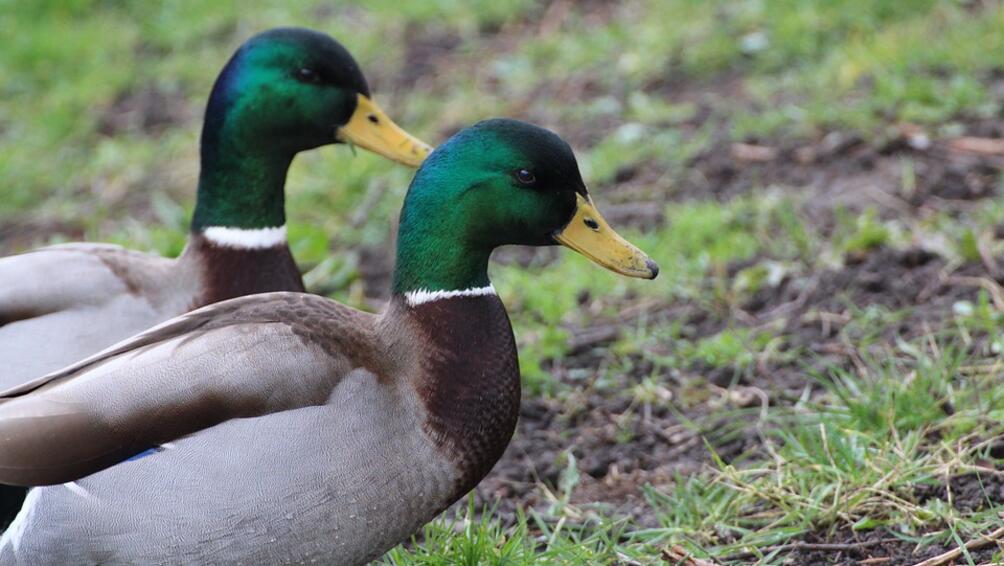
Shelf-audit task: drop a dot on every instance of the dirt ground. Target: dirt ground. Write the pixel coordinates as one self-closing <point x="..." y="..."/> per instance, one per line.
<point x="808" y="308"/>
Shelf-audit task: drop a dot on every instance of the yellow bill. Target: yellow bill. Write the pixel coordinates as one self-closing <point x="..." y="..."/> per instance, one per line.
<point x="590" y="235"/>
<point x="370" y="128"/>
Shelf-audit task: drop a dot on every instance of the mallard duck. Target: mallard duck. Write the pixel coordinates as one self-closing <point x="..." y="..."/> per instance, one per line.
<point x="286" y="427"/>
<point x="282" y="92"/>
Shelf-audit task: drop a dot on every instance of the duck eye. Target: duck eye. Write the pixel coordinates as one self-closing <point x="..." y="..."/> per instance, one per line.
<point x="307" y="75"/>
<point x="525" y="176"/>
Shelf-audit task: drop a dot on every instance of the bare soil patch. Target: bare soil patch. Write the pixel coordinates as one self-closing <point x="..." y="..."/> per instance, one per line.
<point x="848" y="548"/>
<point x="148" y="110"/>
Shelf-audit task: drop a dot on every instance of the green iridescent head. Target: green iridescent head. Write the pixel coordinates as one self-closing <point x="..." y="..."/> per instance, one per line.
<point x="500" y="182"/>
<point x="284" y="91"/>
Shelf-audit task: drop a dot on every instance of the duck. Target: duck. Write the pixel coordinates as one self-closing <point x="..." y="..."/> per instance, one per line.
<point x="283" y="91"/>
<point x="289" y="428"/>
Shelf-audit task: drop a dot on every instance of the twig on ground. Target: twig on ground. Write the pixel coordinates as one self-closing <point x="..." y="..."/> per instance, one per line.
<point x="647" y="307"/>
<point x="790" y="307"/>
<point x="588" y="338"/>
<point x="827" y="320"/>
<point x="996" y="293"/>
<point x="811" y="546"/>
<point x="974" y="544"/>
<point x="679" y="556"/>
<point x="980" y="146"/>
<point x="752" y="153"/>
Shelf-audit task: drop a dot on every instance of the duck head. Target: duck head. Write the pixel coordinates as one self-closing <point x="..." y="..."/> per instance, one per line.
<point x="300" y="89"/>
<point x="284" y="91"/>
<point x="501" y="182"/>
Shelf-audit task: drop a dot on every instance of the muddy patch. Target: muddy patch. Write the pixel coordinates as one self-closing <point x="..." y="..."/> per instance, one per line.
<point x="147" y="110"/>
<point x="846" y="547"/>
<point x="616" y="447"/>
<point x="843" y="170"/>
<point x="425" y="54"/>
<point x="910" y="293"/>
<point x="967" y="493"/>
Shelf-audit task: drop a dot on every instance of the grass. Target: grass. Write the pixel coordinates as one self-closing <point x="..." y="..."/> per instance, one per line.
<point x="644" y="89"/>
<point x="473" y="538"/>
<point x="855" y="460"/>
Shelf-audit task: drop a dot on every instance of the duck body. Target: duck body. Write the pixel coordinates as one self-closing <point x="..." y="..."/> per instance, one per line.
<point x="289" y="428"/>
<point x="306" y="475"/>
<point x="63" y="303"/>
<point x="284" y="91"/>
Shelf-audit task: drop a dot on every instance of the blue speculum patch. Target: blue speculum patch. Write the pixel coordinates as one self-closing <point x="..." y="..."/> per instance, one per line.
<point x="145" y="453"/>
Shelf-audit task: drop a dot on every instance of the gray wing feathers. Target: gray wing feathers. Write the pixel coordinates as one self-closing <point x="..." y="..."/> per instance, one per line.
<point x="53" y="279"/>
<point x="61" y="304"/>
<point x="240" y="358"/>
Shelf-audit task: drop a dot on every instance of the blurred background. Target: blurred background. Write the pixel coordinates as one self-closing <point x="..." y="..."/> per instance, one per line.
<point x="819" y="180"/>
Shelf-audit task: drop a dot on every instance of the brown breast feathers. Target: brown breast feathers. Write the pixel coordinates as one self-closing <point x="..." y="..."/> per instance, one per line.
<point x="469" y="381"/>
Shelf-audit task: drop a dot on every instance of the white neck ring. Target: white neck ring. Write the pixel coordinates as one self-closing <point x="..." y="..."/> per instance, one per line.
<point x="246" y="238"/>
<point x="422" y="296"/>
